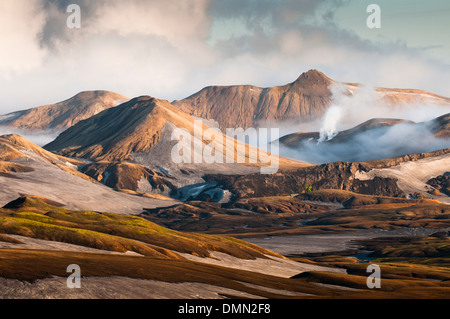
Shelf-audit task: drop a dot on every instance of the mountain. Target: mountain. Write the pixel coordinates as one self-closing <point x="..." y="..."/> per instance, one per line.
<point x="139" y="126"/>
<point x="128" y="176"/>
<point x="295" y="139"/>
<point x="305" y="99"/>
<point x="131" y="148"/>
<point x="14" y="147"/>
<point x="244" y="105"/>
<point x="371" y="140"/>
<point x="117" y="133"/>
<point x="64" y="114"/>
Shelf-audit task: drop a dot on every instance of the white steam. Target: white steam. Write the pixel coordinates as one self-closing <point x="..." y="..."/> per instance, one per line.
<point x="354" y="105"/>
<point x="329" y="129"/>
<point x="377" y="143"/>
<point x="349" y="103"/>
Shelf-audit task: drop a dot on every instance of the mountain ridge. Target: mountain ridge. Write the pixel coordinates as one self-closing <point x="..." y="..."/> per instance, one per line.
<point x="62" y="115"/>
<point x="305" y="99"/>
<point x="247" y="103"/>
<point x="137" y="127"/>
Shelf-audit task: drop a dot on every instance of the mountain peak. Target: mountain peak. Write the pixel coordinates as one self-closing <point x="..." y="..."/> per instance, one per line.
<point x="132" y="127"/>
<point x="144" y="98"/>
<point x="314" y="76"/>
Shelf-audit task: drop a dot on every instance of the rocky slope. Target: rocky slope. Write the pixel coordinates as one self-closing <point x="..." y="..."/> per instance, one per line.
<point x="141" y="133"/>
<point x="337" y="175"/>
<point x="441" y="126"/>
<point x="128" y="176"/>
<point x="402" y="176"/>
<point x="441" y="183"/>
<point x="245" y="105"/>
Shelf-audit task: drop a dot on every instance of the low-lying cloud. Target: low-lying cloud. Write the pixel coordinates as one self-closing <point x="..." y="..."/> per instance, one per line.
<point x="379" y="143"/>
<point x="354" y="107"/>
<point x="39" y="138"/>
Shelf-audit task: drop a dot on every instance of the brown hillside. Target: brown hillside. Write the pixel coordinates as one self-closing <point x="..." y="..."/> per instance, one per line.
<point x="41" y="218"/>
<point x="441" y="126"/>
<point x="64" y="114"/>
<point x="136" y="127"/>
<point x="243" y="106"/>
<point x="15" y="147"/>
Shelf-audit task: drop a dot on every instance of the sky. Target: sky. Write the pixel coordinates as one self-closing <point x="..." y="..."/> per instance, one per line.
<point x="171" y="49"/>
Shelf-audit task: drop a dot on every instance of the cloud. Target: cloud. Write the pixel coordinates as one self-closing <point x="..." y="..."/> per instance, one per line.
<point x="379" y="143"/>
<point x="135" y="47"/>
<point x="21" y="23"/>
<point x="174" y="21"/>
<point x="350" y="108"/>
<point x="279" y="14"/>
<point x="171" y="49"/>
<point x="344" y="104"/>
<point x="39" y="138"/>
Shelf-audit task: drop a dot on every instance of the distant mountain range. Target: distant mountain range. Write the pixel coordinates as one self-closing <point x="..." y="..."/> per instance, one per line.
<point x="131" y="147"/>
<point x="128" y="144"/>
<point x="138" y="126"/>
<point x="305" y="99"/>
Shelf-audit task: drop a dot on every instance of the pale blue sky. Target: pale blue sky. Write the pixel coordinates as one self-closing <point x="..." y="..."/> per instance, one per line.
<point x="422" y="24"/>
<point x="414" y="23"/>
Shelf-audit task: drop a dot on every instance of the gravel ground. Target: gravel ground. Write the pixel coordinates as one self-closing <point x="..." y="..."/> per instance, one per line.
<point x="112" y="288"/>
<point x="299" y="244"/>
<point x="74" y="192"/>
<point x="271" y="266"/>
